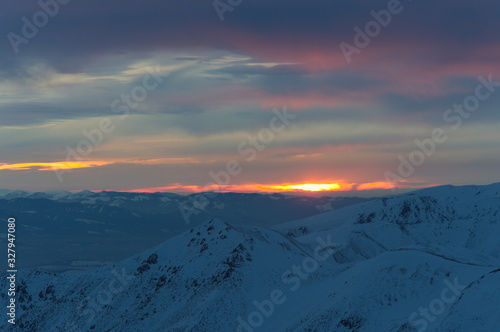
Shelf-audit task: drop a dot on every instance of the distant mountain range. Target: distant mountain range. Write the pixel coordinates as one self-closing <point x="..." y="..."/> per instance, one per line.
<point x="82" y="230"/>
<point x="423" y="261"/>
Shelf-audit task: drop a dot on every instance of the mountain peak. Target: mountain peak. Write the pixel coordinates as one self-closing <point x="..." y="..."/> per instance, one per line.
<point x="216" y="224"/>
<point x="85" y="193"/>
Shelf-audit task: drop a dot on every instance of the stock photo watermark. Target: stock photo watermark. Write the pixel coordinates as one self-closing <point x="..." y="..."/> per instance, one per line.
<point x="30" y="27"/>
<point x="91" y="306"/>
<point x="11" y="270"/>
<point x="436" y="307"/>
<point x="122" y="106"/>
<point x="248" y="148"/>
<point x="372" y="29"/>
<point x="222" y="6"/>
<point x="452" y="117"/>
<point x="292" y="277"/>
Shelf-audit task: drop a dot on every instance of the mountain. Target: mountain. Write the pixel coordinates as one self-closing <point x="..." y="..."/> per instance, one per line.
<point x="82" y="230"/>
<point x="423" y="261"/>
<point x="459" y="217"/>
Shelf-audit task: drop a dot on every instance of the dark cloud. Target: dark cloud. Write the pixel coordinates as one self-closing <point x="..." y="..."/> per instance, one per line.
<point x="84" y="30"/>
<point x="222" y="82"/>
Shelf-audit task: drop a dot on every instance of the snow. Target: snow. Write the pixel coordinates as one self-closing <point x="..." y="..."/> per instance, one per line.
<point x="423" y="261"/>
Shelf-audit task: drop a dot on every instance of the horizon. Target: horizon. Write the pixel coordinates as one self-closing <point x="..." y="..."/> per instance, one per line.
<point x="374" y="193"/>
<point x="351" y="96"/>
<point x="237" y="165"/>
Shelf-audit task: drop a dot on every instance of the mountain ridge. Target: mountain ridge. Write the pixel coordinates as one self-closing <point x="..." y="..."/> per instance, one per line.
<point x="414" y="266"/>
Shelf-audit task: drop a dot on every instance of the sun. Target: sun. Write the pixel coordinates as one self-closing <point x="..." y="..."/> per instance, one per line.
<point x="305" y="187"/>
<point x="316" y="186"/>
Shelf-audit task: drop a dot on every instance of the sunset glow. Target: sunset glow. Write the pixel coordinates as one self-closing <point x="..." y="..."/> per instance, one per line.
<point x="272" y="103"/>
<point x="51" y="166"/>
<point x="271" y="188"/>
<point x="307" y="187"/>
<point x="375" y="185"/>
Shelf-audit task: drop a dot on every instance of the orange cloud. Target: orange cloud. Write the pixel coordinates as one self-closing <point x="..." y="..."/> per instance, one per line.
<point x="374" y="185"/>
<point x="84" y="164"/>
<point x="268" y="188"/>
<point x="51" y="166"/>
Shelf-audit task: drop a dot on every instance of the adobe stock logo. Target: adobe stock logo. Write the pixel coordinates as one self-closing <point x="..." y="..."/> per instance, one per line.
<point x="30" y="28"/>
<point x="436" y="307"/>
<point x="89" y="308"/>
<point x="293" y="277"/>
<point x="120" y="106"/>
<point x="249" y="147"/>
<point x="453" y="119"/>
<point x="372" y="29"/>
<point x="222" y="6"/>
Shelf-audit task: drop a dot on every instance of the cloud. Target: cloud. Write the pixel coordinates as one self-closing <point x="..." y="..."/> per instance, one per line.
<point x="353" y="119"/>
<point x="50" y="166"/>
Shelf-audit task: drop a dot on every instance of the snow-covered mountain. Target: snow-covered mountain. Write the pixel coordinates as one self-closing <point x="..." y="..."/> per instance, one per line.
<point x="423" y="261"/>
<point x="87" y="229"/>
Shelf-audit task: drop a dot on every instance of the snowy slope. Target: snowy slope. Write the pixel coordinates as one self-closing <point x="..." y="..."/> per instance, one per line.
<point x="424" y="261"/>
<point x="88" y="229"/>
<point x="194" y="281"/>
<point x="460" y="217"/>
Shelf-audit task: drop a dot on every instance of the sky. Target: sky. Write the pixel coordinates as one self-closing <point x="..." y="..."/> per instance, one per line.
<point x="344" y="96"/>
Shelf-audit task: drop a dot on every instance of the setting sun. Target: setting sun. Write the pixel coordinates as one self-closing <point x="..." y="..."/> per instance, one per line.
<point x="316" y="186"/>
<point x="305" y="187"/>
